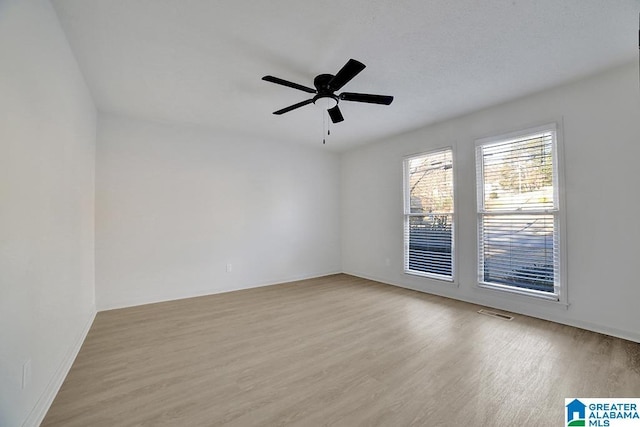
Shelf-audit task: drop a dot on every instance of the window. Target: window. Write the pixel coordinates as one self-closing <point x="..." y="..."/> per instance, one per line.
<point x="428" y="215"/>
<point x="518" y="213"/>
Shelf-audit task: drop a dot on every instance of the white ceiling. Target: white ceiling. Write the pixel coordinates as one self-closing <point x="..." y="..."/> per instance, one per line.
<point x="201" y="61"/>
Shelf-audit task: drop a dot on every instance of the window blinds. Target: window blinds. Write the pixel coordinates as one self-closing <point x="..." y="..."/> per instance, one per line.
<point x="429" y="227"/>
<point x="518" y="214"/>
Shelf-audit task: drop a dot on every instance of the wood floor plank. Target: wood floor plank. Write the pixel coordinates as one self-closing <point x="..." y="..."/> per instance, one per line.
<point x="337" y="350"/>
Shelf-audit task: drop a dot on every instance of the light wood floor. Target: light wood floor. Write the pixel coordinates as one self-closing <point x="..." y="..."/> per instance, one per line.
<point x="337" y="350"/>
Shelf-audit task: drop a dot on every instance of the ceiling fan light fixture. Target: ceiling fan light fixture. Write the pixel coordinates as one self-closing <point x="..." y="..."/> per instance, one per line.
<point x="325" y="102"/>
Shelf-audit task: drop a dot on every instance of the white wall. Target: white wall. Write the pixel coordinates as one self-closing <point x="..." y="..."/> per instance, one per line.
<point x="47" y="151"/>
<point x="175" y="205"/>
<point x="600" y="117"/>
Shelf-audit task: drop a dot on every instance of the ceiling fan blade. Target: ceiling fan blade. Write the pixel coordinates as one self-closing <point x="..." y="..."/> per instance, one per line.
<point x="287" y="83"/>
<point x="335" y="114"/>
<point x="293" y="107"/>
<point x="365" y="97"/>
<point x="346" y="73"/>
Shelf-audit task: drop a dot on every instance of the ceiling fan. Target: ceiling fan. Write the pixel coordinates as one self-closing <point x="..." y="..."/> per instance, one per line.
<point x="325" y="87"/>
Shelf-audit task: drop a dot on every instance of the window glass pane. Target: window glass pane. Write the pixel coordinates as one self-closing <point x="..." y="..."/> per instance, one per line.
<point x="430" y="243"/>
<point x="431" y="183"/>
<point x="429" y="216"/>
<point x="519" y="250"/>
<point x="518" y="221"/>
<point x="518" y="175"/>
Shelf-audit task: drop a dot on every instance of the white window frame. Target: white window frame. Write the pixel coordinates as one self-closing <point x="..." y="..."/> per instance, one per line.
<point x="407" y="214"/>
<point x="560" y="282"/>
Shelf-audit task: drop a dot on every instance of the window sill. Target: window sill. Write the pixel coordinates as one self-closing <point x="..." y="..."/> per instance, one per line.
<point x="537" y="295"/>
<point x="431" y="276"/>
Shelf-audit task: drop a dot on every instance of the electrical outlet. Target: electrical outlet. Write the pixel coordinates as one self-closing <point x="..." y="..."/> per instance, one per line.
<point x="229" y="268"/>
<point x="26" y="374"/>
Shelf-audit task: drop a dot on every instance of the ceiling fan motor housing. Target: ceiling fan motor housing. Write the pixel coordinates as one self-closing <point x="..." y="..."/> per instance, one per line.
<point x="321" y="82"/>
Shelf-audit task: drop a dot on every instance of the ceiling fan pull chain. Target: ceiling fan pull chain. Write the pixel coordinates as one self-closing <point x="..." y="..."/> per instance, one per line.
<point x="324" y="125"/>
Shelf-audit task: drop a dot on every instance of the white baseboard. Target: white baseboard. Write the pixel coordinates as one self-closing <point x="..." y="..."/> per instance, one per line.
<point x="37" y="414"/>
<point x="174" y="297"/>
<point x="576" y="323"/>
